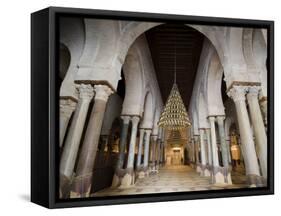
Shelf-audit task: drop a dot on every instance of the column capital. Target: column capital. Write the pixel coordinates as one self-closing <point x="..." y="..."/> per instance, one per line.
<point x="67" y="106"/>
<point x="237" y="93"/>
<point x="253" y="92"/>
<point x="102" y="92"/>
<point x="212" y="118"/>
<point x="126" y="119"/>
<point x="86" y="91"/>
<point x="220" y="118"/>
<point x="148" y="131"/>
<point x="135" y="120"/>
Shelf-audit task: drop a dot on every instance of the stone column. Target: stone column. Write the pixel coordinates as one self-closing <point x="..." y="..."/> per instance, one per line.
<point x="72" y="142"/>
<point x="140" y="147"/>
<point x="85" y="165"/>
<point x="67" y="106"/>
<point x="226" y="168"/>
<point x="228" y="149"/>
<point x="205" y="171"/>
<point x="259" y="129"/>
<point x="220" y="120"/>
<point x="128" y="178"/>
<point x="123" y="141"/>
<point x="119" y="172"/>
<point x="237" y="93"/>
<point x="210" y="161"/>
<point x="161" y="152"/>
<point x="217" y="174"/>
<point x="158" y="152"/>
<point x="131" y="154"/>
<point x="146" y="149"/>
<point x="153" y="152"/>
<point x="196" y="146"/>
<point x="263" y="106"/>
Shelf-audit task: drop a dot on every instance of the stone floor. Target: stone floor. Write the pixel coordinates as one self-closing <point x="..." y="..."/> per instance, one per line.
<point x="173" y="179"/>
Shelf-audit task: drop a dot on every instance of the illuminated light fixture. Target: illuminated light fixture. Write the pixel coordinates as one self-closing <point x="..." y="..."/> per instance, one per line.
<point x="174" y="115"/>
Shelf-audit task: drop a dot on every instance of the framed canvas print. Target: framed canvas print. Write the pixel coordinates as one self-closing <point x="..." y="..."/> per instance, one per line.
<point x="138" y="107"/>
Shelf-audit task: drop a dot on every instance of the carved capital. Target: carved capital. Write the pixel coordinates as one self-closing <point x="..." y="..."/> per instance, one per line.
<point x="237" y="93"/>
<point x="147" y="132"/>
<point x="135" y="120"/>
<point x="86" y="91"/>
<point x="211" y="119"/>
<point x="253" y="92"/>
<point x="220" y="119"/>
<point x="67" y="106"/>
<point x="126" y="119"/>
<point x="102" y="92"/>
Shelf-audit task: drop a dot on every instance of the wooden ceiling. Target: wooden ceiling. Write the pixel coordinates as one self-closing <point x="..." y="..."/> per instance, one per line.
<point x="170" y="43"/>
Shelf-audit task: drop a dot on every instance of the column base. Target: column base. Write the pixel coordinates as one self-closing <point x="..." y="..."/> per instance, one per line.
<point x="256" y="181"/>
<point x="81" y="186"/>
<point x="123" y="178"/>
<point x="142" y="172"/>
<point x="192" y="165"/>
<point x="152" y="169"/>
<point x="198" y="168"/>
<point x="221" y="175"/>
<point x="65" y="187"/>
<point x="205" y="170"/>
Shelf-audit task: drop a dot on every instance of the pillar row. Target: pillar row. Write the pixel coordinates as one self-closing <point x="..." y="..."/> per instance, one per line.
<point x="85" y="165"/>
<point x="72" y="142"/>
<point x="258" y="125"/>
<point x="237" y="93"/>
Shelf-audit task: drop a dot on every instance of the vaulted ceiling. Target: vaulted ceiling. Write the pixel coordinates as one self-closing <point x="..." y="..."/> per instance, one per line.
<point x="180" y="44"/>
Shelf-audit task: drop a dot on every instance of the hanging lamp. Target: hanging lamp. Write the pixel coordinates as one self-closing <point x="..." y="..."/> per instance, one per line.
<point x="174" y="115"/>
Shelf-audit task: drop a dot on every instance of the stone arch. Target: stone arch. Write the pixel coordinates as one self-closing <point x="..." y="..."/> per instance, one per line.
<point x="134" y="82"/>
<point x="213" y="86"/>
<point x="202" y="112"/>
<point x="260" y="56"/>
<point x="72" y="36"/>
<point x="148" y="115"/>
<point x="65" y="58"/>
<point x="155" y="129"/>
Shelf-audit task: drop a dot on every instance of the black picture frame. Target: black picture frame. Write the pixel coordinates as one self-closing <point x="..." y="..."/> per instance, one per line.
<point x="45" y="108"/>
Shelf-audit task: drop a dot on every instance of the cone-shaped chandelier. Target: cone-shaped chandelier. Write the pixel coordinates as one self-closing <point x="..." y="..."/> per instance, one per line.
<point x="174" y="115"/>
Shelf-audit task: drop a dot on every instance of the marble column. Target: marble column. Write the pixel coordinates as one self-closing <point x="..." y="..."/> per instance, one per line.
<point x="228" y="149"/>
<point x="217" y="174"/>
<point x="85" y="165"/>
<point x="153" y="152"/>
<point x="161" y="152"/>
<point x="158" y="152"/>
<point x="146" y="148"/>
<point x="220" y="121"/>
<point x="119" y="171"/>
<point x="67" y="106"/>
<point x="259" y="129"/>
<point x="224" y="151"/>
<point x="123" y="141"/>
<point x="263" y="106"/>
<point x="210" y="161"/>
<point x="204" y="169"/>
<point x="140" y="147"/>
<point x="72" y="142"/>
<point x="128" y="177"/>
<point x="237" y="93"/>
<point x="131" y="153"/>
<point x="196" y="146"/>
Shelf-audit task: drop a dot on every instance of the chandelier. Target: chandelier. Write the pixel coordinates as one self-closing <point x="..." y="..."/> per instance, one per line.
<point x="174" y="115"/>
